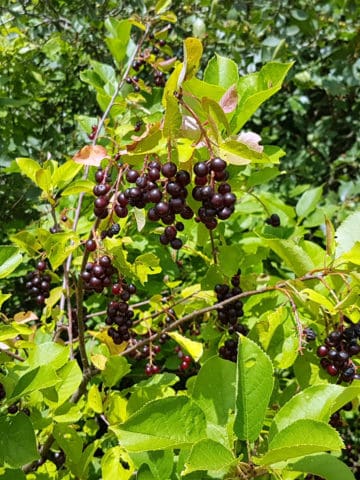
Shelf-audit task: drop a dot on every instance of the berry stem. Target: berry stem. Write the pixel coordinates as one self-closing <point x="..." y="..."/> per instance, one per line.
<point x="213" y="248"/>
<point x="198" y="121"/>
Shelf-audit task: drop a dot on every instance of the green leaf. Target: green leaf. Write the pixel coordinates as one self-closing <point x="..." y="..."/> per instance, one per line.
<point x="315" y="402"/>
<point x="263" y="176"/>
<point x="70" y="376"/>
<point x="65" y="173"/>
<point x="43" y="180"/>
<point x="238" y="153"/>
<point x="302" y="437"/>
<point x="10" y="259"/>
<point x="200" y="89"/>
<point x="36" y="379"/>
<point x="254" y="385"/>
<point x="214" y="389"/>
<point x="69" y="441"/>
<point x="13" y="474"/>
<point x="116" y="463"/>
<point x="4" y="297"/>
<point x="216" y="115"/>
<point x="161" y="6"/>
<point x="11" y="331"/>
<point x="79" y="186"/>
<point x="149" y="390"/>
<point x="319" y="299"/>
<point x="145" y="265"/>
<point x="278" y="337"/>
<point x="140" y="218"/>
<point x="17" y="440"/>
<point x="208" y="455"/>
<point x="118" y="38"/>
<point x="324" y="465"/>
<point x="48" y="353"/>
<point x="154" y="465"/>
<point x="115" y="369"/>
<point x="194" y="349"/>
<point x="221" y="71"/>
<point x="292" y="255"/>
<point x="172" y="118"/>
<point x="94" y="399"/>
<point x="59" y="246"/>
<point x="151" y="429"/>
<point x="192" y="55"/>
<point x="256" y="88"/>
<point x="28" y="167"/>
<point x="308" y="201"/>
<point x="348" y="234"/>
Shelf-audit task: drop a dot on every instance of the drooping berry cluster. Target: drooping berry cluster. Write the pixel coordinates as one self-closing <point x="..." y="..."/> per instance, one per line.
<point x="38" y="283"/>
<point x="163" y="186"/>
<point x="97" y="275"/>
<point x="217" y="202"/>
<point x="337" y="350"/>
<point x="119" y="315"/>
<point x="229" y="350"/>
<point x="230" y="313"/>
<point x="101" y="191"/>
<point x="156" y="57"/>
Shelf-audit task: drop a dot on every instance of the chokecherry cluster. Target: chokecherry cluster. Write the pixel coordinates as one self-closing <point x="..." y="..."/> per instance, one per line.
<point x="38" y="283"/>
<point x="119" y="315"/>
<point x="101" y="191"/>
<point x="229" y="350"/>
<point x="336" y="352"/>
<point x="229" y="314"/>
<point x="163" y="186"/>
<point x="97" y="275"/>
<point x="149" y="59"/>
<point x="217" y="201"/>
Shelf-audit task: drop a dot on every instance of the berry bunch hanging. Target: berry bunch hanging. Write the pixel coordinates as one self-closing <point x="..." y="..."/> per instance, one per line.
<point x="213" y="192"/>
<point x="38" y="283"/>
<point x="97" y="275"/>
<point x="119" y="315"/>
<point x="163" y="187"/>
<point x="336" y="352"/>
<point x="229" y="314"/>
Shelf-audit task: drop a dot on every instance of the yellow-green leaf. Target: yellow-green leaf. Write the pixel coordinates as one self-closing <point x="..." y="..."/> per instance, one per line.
<point x="194" y="349"/>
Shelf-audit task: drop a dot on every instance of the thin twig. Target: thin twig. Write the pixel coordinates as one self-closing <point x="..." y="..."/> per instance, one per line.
<point x="213" y="248"/>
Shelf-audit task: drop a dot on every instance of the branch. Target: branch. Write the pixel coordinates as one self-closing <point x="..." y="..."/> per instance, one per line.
<point x="316" y="275"/>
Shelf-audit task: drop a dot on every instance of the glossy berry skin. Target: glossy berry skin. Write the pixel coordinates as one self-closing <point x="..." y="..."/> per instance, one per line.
<point x="273" y="220"/>
<point x="90" y="245"/>
<point x="322" y="351"/>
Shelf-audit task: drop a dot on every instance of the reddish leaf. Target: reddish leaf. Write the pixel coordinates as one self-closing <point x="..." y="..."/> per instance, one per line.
<point x="252" y="140"/>
<point x="229" y="100"/>
<point x="90" y="155"/>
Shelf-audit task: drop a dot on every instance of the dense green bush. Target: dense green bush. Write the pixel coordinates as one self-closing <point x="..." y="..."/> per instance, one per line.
<point x="179" y="299"/>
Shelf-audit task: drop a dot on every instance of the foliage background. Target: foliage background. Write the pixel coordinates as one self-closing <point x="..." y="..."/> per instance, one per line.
<point x="44" y="47"/>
